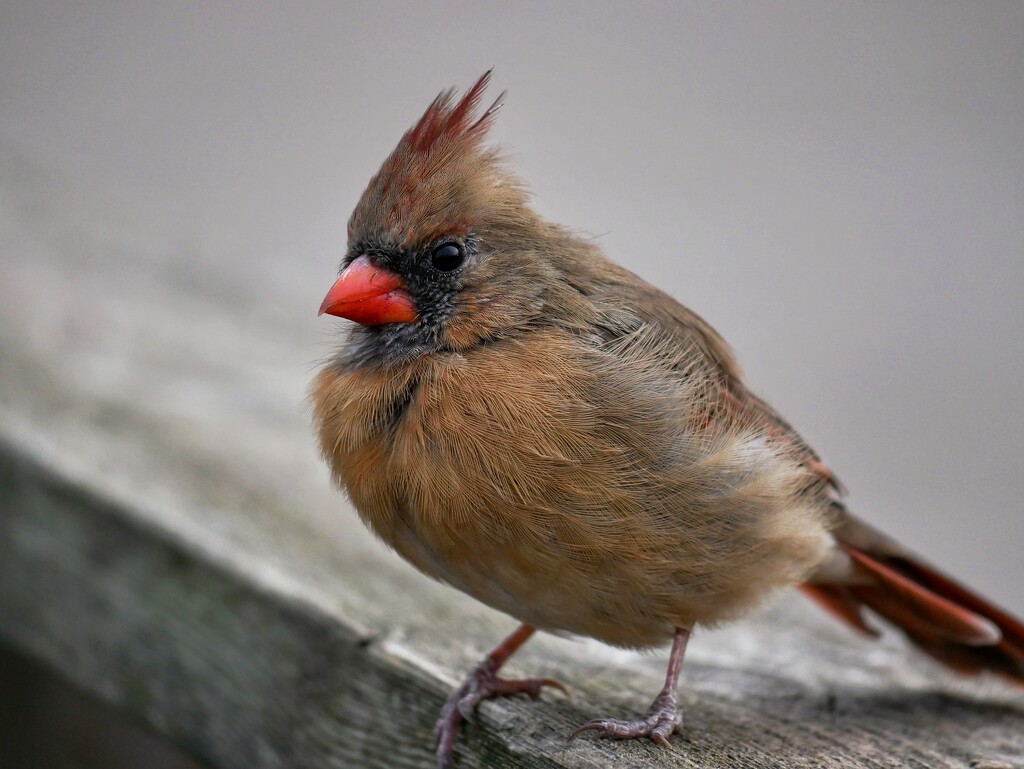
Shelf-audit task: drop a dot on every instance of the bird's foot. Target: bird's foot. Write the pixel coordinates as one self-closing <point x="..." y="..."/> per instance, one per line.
<point x="658" y="724"/>
<point x="482" y="684"/>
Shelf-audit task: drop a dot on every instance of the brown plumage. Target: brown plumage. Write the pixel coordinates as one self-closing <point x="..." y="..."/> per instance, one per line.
<point x="527" y="421"/>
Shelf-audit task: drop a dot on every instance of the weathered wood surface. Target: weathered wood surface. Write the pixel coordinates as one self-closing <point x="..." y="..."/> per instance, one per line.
<point x="169" y="542"/>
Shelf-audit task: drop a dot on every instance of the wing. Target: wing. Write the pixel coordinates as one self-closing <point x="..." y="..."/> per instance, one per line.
<point x="622" y="299"/>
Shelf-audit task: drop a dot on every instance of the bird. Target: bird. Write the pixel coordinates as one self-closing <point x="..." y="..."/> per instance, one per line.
<point x="523" y="419"/>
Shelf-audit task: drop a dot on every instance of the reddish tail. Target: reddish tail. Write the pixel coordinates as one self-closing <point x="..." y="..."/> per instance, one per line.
<point x="943" y="618"/>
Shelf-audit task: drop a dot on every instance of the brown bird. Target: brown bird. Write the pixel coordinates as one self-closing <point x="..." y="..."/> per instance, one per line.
<point x="527" y="421"/>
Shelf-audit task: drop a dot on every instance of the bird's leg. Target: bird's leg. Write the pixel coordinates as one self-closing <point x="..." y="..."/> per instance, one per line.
<point x="662" y="718"/>
<point x="482" y="683"/>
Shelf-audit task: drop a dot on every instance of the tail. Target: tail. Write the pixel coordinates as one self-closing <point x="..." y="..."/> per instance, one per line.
<point x="943" y="618"/>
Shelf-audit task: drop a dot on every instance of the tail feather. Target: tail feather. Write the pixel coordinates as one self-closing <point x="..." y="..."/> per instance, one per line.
<point x="946" y="620"/>
<point x="841" y="604"/>
<point x="918" y="610"/>
<point x="1002" y="658"/>
<point x="1012" y="629"/>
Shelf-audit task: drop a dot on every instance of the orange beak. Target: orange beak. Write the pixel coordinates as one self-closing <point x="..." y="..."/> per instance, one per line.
<point x="369" y="295"/>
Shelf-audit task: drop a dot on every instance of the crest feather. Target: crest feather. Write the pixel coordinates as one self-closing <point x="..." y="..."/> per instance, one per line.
<point x="443" y="119"/>
<point x="426" y="183"/>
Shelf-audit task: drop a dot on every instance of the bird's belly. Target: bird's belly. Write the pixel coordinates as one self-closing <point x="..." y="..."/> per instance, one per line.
<point x="543" y="586"/>
<point x="565" y="571"/>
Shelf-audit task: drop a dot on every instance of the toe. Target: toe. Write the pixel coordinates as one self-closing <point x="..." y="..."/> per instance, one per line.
<point x="445" y="743"/>
<point x="657" y="725"/>
<point x="529" y="686"/>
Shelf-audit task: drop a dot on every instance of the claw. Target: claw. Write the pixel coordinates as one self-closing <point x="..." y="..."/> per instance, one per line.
<point x="481" y="685"/>
<point x="466" y="708"/>
<point x="596" y="725"/>
<point x="661" y="740"/>
<point x="658" y="724"/>
<point x="483" y="682"/>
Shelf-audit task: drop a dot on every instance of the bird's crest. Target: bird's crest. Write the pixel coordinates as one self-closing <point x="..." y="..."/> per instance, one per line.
<point x="443" y="120"/>
<point x="435" y="162"/>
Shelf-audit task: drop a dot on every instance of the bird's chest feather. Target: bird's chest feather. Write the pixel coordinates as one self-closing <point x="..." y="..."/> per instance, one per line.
<point x="475" y="468"/>
<point x="457" y="450"/>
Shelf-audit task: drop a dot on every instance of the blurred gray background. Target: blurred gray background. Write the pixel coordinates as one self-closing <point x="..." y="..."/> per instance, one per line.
<point x="839" y="188"/>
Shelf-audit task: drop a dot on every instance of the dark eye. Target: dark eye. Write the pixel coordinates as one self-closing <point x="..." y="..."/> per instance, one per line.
<point x="447" y="257"/>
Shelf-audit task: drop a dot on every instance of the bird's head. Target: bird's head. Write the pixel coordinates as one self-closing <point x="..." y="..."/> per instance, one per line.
<point x="443" y="248"/>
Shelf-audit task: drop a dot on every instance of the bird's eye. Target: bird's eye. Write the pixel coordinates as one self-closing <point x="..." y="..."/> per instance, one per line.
<point x="447" y="257"/>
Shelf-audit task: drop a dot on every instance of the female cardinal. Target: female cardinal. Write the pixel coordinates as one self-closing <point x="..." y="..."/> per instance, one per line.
<point x="523" y="419"/>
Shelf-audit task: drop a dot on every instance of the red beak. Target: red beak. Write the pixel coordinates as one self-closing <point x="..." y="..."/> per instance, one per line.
<point x="369" y="295"/>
